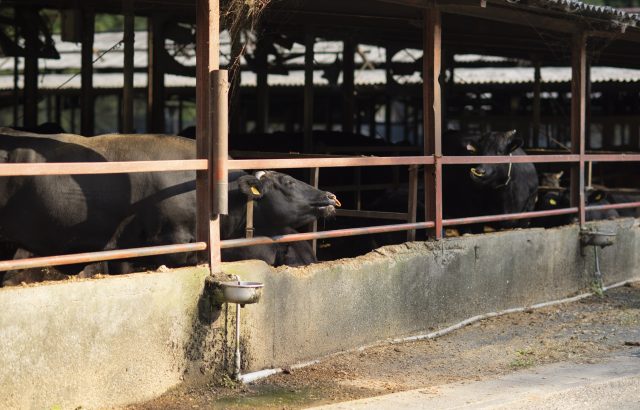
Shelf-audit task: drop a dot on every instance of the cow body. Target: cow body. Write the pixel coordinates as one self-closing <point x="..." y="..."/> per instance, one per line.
<point x="61" y="214"/>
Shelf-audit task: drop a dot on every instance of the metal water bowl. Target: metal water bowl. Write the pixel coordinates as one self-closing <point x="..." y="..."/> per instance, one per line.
<point x="241" y="292"/>
<point x="597" y="238"/>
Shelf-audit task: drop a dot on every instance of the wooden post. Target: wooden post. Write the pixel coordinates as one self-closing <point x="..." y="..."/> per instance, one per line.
<point x="155" y="75"/>
<point x="308" y="91"/>
<point x="30" y="96"/>
<point x="536" y="102"/>
<point x="262" y="88"/>
<point x="348" y="87"/>
<point x="578" y="117"/>
<point x="432" y="115"/>
<point x="207" y="50"/>
<point x="127" y="89"/>
<point x="87" y="112"/>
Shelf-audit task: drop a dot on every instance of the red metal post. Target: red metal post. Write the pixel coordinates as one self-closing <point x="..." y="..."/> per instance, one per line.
<point x="432" y="115"/>
<point x="86" y="75"/>
<point x="578" y="120"/>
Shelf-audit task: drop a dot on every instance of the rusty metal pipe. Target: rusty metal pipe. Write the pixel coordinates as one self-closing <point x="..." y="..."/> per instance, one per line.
<point x="306" y="236"/>
<point x="100" y="256"/>
<point x="507" y="217"/>
<point x="89" y="168"/>
<point x="505" y="159"/>
<point x="283" y="163"/>
<point x="614" y="206"/>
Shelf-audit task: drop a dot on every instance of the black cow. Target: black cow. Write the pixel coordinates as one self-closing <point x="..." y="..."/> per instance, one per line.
<point x="61" y="214"/>
<point x="506" y="188"/>
<point x="44" y="128"/>
<point x="558" y="200"/>
<point x="487" y="189"/>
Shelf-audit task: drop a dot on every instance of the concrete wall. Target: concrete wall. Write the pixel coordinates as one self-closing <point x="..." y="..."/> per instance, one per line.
<point x="406" y="289"/>
<point x="103" y="342"/>
<point x="98" y="343"/>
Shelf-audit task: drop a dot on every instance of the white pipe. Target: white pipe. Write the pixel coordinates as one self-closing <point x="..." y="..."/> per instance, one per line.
<point x="260" y="374"/>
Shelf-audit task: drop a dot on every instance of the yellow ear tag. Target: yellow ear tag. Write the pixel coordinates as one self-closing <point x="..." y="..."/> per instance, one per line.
<point x="598" y="197"/>
<point x="471" y="148"/>
<point x="255" y="191"/>
<point x="553" y="202"/>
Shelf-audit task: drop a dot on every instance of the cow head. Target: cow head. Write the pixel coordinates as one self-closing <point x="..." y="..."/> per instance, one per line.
<point x="495" y="143"/>
<point x="283" y="201"/>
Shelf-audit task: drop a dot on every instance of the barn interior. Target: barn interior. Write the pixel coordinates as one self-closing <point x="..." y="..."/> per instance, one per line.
<point x="331" y="79"/>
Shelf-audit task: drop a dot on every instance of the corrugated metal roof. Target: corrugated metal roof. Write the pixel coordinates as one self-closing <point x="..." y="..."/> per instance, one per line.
<point x="585" y="9"/>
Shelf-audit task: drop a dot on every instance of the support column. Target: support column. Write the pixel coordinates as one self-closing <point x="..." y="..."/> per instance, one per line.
<point x="262" y="89"/>
<point x="127" y="89"/>
<point x="348" y="87"/>
<point x="87" y="112"/>
<point x="308" y="91"/>
<point x="536" y="102"/>
<point x="155" y="82"/>
<point x="30" y="96"/>
<point x="432" y="115"/>
<point x="578" y="119"/>
<point x="211" y="141"/>
<point x="235" y="77"/>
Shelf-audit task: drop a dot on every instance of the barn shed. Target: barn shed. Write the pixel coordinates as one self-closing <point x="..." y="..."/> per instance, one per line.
<point x="351" y="97"/>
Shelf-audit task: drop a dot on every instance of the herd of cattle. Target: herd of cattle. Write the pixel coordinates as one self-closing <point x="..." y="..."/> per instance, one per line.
<point x="64" y="214"/>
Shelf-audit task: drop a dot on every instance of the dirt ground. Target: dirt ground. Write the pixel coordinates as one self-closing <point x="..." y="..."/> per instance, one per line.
<point x="584" y="331"/>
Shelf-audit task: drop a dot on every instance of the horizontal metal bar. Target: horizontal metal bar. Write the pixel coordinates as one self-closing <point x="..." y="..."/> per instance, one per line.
<point x="508" y="217"/>
<point x="497" y="159"/>
<point x="306" y="236"/>
<point x="364" y="187"/>
<point x="355" y="213"/>
<point x="100" y="256"/>
<point x="613" y="206"/>
<point x="612" y="157"/>
<point x="365" y="149"/>
<point x="239" y="164"/>
<point x="87" y="168"/>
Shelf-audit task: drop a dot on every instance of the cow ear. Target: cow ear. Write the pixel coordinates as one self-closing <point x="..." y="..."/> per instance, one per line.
<point x="251" y="186"/>
<point x="596" y="196"/>
<point x="512" y="142"/>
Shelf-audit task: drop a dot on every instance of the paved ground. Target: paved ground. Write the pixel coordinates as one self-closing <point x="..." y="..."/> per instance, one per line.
<point x="612" y="384"/>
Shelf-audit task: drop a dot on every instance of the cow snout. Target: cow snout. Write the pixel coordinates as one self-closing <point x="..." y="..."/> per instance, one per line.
<point x="334" y="199"/>
<point x="478" y="172"/>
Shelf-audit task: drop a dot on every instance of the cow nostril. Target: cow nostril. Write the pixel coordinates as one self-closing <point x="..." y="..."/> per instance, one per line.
<point x="334" y="198"/>
<point x="477" y="172"/>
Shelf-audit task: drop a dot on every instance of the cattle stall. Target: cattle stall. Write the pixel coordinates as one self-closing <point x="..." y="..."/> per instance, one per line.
<point x="467" y="27"/>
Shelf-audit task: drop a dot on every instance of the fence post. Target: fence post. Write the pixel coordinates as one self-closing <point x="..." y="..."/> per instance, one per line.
<point x="207" y="65"/>
<point x="578" y="119"/>
<point x="432" y="115"/>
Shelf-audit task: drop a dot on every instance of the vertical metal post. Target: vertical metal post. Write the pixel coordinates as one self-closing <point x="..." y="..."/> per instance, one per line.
<point x="308" y="91"/>
<point x="315" y="181"/>
<point x="388" y="101"/>
<point x="536" y="102"/>
<point x="348" y="87"/>
<point x="30" y="95"/>
<point x="412" y="206"/>
<point x="127" y="89"/>
<point x="208" y="60"/>
<point x="235" y="79"/>
<point x="432" y="115"/>
<point x="262" y="88"/>
<point x="87" y="112"/>
<point x="155" y="75"/>
<point x="16" y="72"/>
<point x="578" y="119"/>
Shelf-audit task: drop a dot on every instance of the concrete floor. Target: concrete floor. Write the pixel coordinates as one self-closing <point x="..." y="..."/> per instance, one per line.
<point x="613" y="383"/>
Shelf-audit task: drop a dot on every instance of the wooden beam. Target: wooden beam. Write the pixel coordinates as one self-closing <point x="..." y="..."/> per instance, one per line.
<point x="87" y="112"/>
<point x="432" y="115"/>
<point x="155" y="76"/>
<point x="128" y="69"/>
<point x="578" y="120"/>
<point x="348" y="87"/>
<point x="30" y="96"/>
